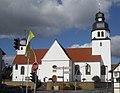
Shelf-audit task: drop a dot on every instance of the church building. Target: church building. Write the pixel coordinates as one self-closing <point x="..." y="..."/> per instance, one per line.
<point x="69" y="64"/>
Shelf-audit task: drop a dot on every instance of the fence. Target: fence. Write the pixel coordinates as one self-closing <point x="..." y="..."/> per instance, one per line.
<point x="116" y="87"/>
<point x="102" y="90"/>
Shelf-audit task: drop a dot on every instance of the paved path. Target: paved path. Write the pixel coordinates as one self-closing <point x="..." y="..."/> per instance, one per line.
<point x="81" y="91"/>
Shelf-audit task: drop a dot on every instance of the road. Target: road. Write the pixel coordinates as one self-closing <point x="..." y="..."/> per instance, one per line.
<point x="81" y="91"/>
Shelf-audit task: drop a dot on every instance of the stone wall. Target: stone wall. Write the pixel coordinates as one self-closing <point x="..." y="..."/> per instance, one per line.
<point x="14" y="83"/>
<point x="83" y="85"/>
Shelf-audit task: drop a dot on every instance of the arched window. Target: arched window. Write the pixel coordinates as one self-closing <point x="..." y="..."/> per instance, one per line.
<point x="16" y="66"/>
<point x="102" y="34"/>
<point x="21" y="48"/>
<point x="77" y="70"/>
<point x="22" y="70"/>
<point x="100" y="43"/>
<point x="88" y="69"/>
<point x="103" y="70"/>
<point x="98" y="33"/>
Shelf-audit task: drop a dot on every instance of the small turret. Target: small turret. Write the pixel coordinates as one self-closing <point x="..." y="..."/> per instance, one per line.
<point x="23" y="42"/>
<point x="22" y="48"/>
<point x="100" y="23"/>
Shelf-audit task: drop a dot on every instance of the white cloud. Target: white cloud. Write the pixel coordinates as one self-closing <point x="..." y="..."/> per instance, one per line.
<point x="75" y="46"/>
<point x="116" y="2"/>
<point x="7" y="36"/>
<point x="86" y="45"/>
<point x="48" y="17"/>
<point x="8" y="59"/>
<point x="115" y="46"/>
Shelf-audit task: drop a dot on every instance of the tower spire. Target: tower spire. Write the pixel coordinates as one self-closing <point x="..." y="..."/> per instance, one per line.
<point x="99" y="7"/>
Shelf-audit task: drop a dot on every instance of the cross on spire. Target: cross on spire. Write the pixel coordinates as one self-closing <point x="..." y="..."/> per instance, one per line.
<point x="99" y="7"/>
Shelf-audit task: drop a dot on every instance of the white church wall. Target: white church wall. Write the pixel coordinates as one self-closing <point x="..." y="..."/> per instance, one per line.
<point x="103" y="49"/>
<point x="71" y="64"/>
<point x="95" y="70"/>
<point x="54" y="56"/>
<point x="17" y="73"/>
<point x="46" y="69"/>
<point x="55" y="52"/>
<point x="95" y="34"/>
<point x="38" y="71"/>
<point x="21" y="50"/>
<point x="107" y="34"/>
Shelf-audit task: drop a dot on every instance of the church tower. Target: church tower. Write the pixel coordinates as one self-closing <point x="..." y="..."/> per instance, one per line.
<point x="101" y="43"/>
<point x="22" y="47"/>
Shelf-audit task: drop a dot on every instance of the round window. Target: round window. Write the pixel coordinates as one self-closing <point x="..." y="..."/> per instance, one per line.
<point x="54" y="66"/>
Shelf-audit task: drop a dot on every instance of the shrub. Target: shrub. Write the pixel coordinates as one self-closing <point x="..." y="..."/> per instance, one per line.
<point x="79" y="88"/>
<point x="84" y="79"/>
<point x="96" y="79"/>
<point x="118" y="79"/>
<point x="39" y="84"/>
<point x="72" y="87"/>
<point x="66" y="87"/>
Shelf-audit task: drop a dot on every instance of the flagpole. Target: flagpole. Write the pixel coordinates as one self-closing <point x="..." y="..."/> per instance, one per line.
<point x="27" y="75"/>
<point x="30" y="37"/>
<point x="35" y="57"/>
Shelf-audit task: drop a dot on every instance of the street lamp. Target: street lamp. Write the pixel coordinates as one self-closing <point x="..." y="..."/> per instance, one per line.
<point x="107" y="76"/>
<point x="76" y="78"/>
<point x="80" y="74"/>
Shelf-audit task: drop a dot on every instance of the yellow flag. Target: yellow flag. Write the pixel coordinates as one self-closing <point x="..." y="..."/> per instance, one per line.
<point x="30" y="37"/>
<point x="28" y="50"/>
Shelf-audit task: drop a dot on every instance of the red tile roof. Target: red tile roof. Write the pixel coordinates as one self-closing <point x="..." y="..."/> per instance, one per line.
<point x="75" y="54"/>
<point x="22" y="59"/>
<point x="39" y="54"/>
<point x="113" y="67"/>
<point x="82" y="55"/>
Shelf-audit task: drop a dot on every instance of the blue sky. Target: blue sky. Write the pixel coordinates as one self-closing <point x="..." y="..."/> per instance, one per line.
<point x="70" y="23"/>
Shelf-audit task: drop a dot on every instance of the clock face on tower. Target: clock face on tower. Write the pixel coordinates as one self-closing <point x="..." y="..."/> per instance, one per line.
<point x="23" y="42"/>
